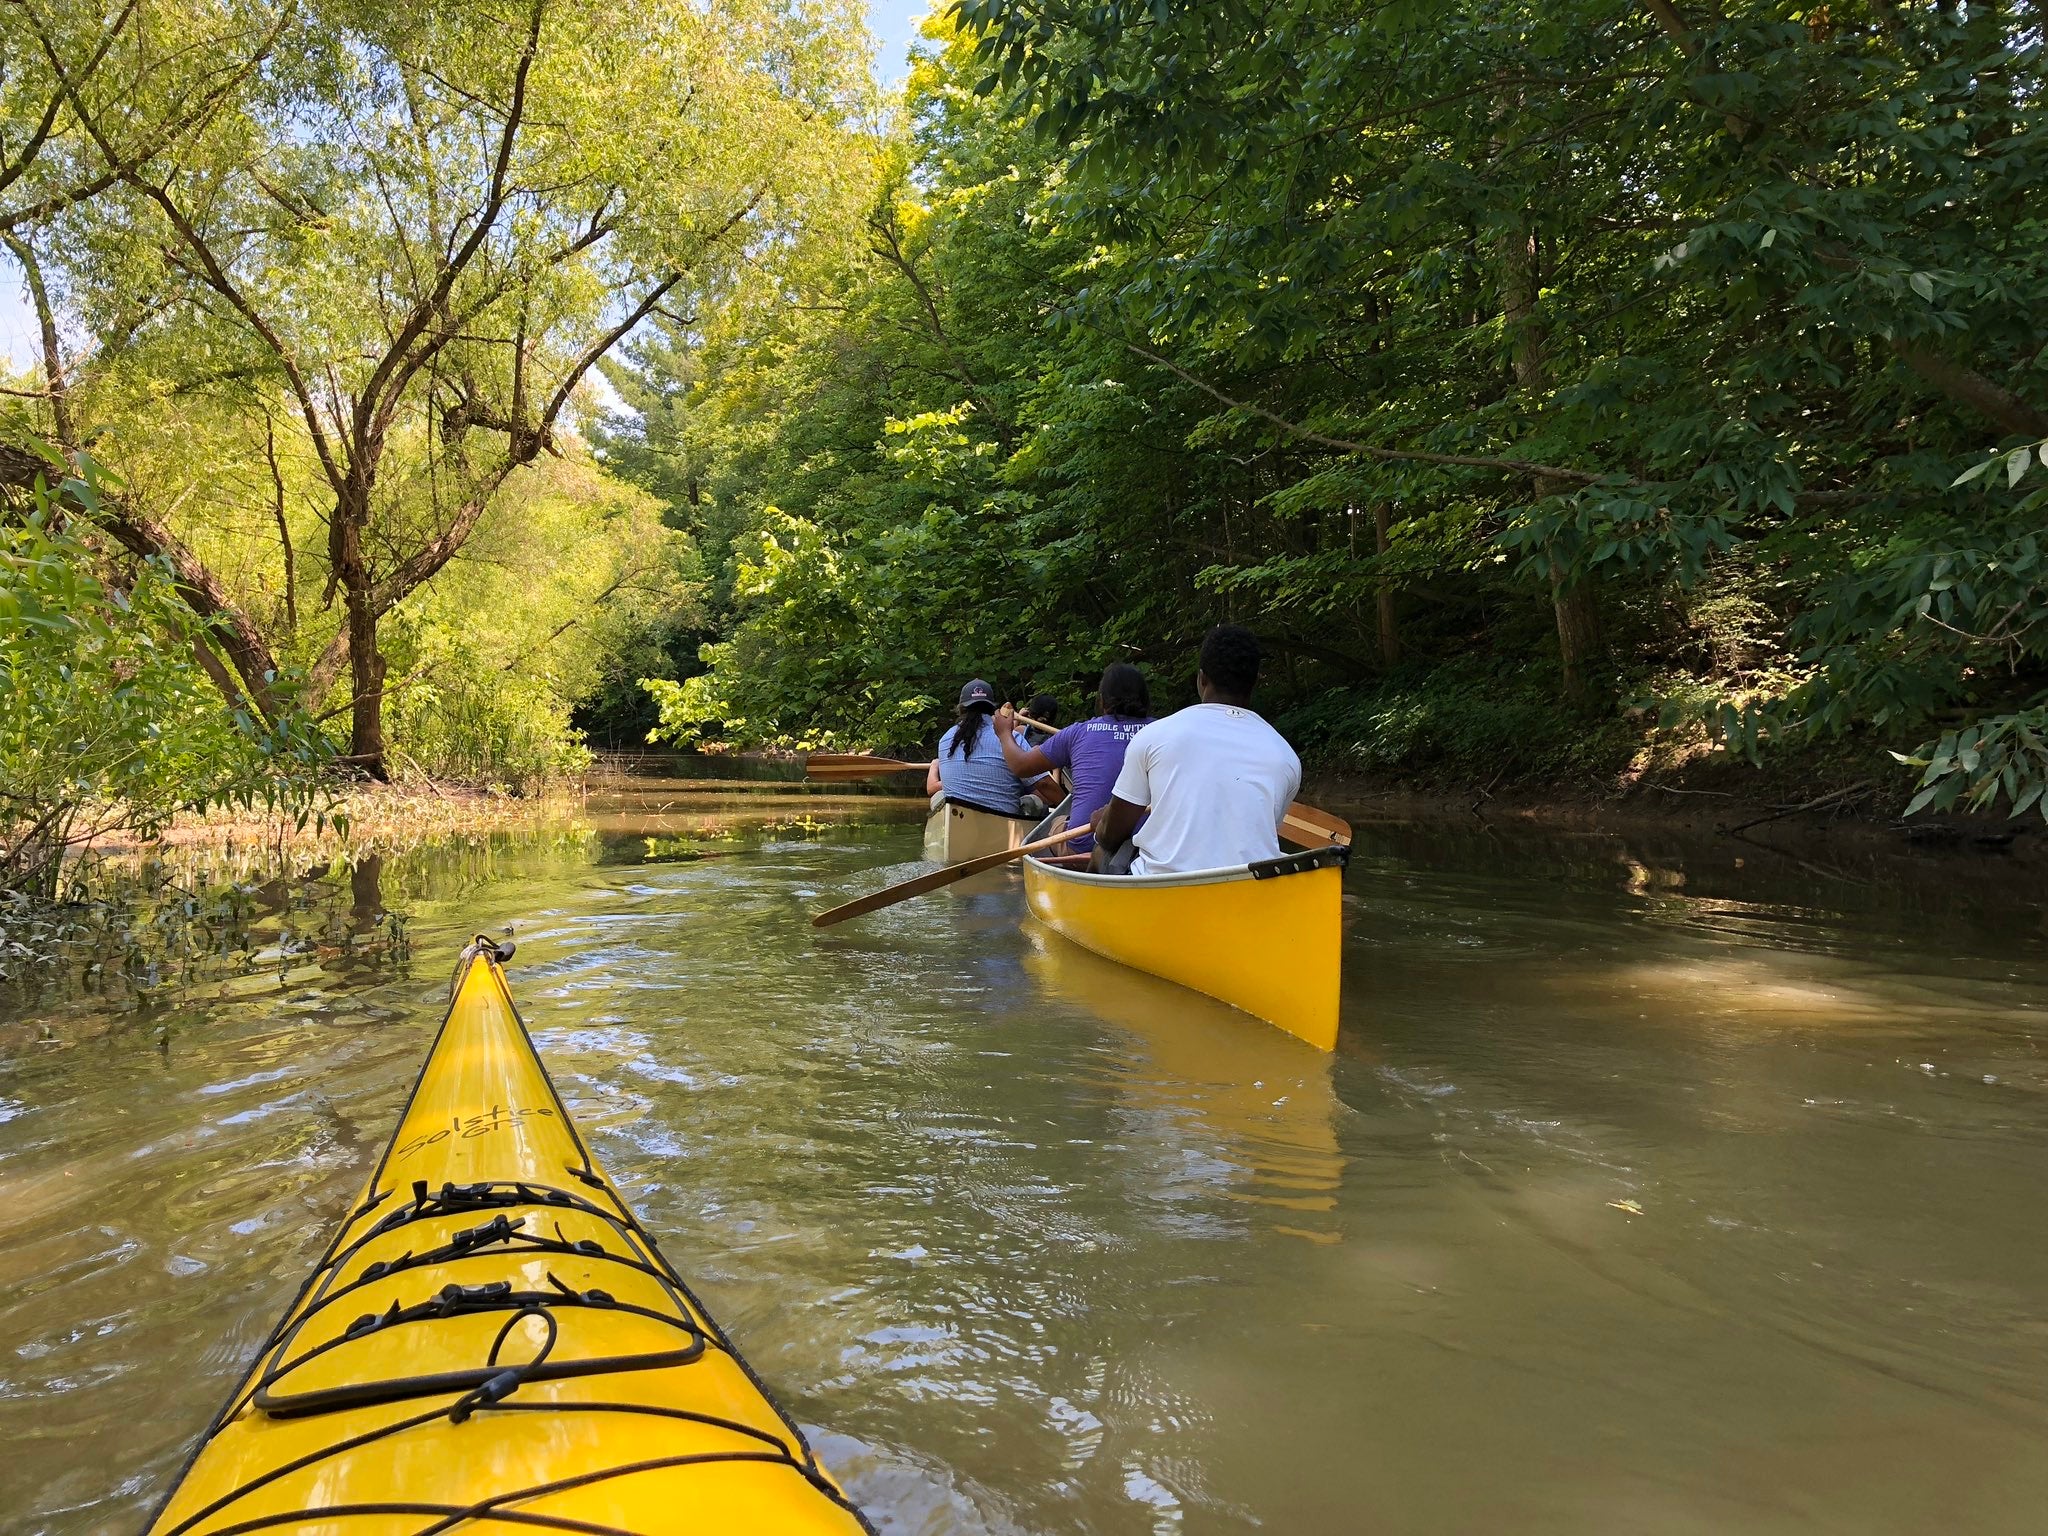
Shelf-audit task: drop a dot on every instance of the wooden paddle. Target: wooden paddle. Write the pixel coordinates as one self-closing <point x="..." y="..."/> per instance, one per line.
<point x="856" y="765"/>
<point x="1303" y="825"/>
<point x="888" y="896"/>
<point x="1307" y="827"/>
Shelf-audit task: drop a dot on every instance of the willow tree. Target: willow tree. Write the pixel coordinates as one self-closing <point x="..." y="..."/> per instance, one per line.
<point x="415" y="230"/>
<point x="153" y="73"/>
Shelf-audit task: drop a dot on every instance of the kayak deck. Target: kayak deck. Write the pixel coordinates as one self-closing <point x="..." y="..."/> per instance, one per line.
<point x="493" y="1342"/>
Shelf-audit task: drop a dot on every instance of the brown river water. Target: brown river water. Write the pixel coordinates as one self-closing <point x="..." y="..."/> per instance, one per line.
<point x="1657" y="1184"/>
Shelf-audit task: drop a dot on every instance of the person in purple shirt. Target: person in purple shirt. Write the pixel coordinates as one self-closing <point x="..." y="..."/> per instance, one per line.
<point x="1091" y="751"/>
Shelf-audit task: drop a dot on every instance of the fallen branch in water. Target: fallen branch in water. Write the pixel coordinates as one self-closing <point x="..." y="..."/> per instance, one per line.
<point x="1812" y="805"/>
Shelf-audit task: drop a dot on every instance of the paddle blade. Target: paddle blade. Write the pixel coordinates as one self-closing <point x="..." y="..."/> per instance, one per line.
<point x="1307" y="827"/>
<point x="889" y="895"/>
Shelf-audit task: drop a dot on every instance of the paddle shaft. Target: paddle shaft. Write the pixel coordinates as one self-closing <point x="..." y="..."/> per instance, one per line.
<point x="856" y="765"/>
<point x="888" y="896"/>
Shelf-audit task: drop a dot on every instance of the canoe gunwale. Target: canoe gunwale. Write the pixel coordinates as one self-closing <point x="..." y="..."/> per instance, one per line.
<point x="1338" y="854"/>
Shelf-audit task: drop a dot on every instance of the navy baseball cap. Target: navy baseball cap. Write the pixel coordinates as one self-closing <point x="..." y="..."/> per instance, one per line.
<point x="977" y="692"/>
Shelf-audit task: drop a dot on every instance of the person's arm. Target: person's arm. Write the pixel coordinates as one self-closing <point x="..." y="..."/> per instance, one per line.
<point x="1128" y="801"/>
<point x="1027" y="763"/>
<point x="1115" y="823"/>
<point x="931" y="778"/>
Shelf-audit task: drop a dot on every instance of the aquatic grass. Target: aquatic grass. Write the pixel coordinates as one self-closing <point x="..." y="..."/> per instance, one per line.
<point x="225" y="893"/>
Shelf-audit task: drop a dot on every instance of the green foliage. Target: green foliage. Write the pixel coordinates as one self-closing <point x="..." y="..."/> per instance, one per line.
<point x="2003" y="758"/>
<point x="617" y="714"/>
<point x="1471" y="722"/>
<point x="1497" y="363"/>
<point x="905" y="477"/>
<point x="490" y="730"/>
<point x="332" y="280"/>
<point x="105" y="723"/>
<point x="489" y="663"/>
<point x="1767" y="288"/>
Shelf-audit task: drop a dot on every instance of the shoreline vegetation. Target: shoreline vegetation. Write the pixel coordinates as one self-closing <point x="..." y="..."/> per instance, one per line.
<point x="365" y="819"/>
<point x="135" y="913"/>
<point x="138" y="914"/>
<point x="1608" y="409"/>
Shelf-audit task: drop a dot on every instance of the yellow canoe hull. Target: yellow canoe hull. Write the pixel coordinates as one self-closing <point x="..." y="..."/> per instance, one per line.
<point x="1271" y="947"/>
<point x="953" y="834"/>
<point x="493" y="1342"/>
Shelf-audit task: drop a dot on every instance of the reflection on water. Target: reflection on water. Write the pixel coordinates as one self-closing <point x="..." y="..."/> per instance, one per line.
<point x="1259" y="1100"/>
<point x="1647" y="1191"/>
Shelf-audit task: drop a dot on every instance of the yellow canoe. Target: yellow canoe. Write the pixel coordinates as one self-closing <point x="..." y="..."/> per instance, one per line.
<point x="1264" y="937"/>
<point x="492" y="1342"/>
<point x="955" y="833"/>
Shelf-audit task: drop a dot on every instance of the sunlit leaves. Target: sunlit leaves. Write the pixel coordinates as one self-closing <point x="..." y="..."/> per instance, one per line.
<point x="105" y="723"/>
<point x="1998" y="763"/>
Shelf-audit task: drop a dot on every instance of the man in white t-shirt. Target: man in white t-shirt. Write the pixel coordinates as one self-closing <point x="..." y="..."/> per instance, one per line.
<point x="1215" y="776"/>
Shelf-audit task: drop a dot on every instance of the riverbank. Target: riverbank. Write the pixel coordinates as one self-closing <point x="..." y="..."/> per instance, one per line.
<point x="1503" y="758"/>
<point x="361" y="819"/>
<point x="134" y="913"/>
<point x="1792" y="805"/>
<point x="1827" y="820"/>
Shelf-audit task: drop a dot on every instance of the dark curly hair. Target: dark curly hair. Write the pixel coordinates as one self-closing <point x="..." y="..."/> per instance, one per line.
<point x="1230" y="658"/>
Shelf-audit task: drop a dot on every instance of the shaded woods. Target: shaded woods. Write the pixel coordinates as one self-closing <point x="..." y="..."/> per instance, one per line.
<point x="1531" y="377"/>
<point x="1553" y="388"/>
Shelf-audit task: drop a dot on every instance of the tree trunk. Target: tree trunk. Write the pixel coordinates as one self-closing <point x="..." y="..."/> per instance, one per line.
<point x="56" y="387"/>
<point x="284" y="527"/>
<point x="1579" y="640"/>
<point x="366" y="662"/>
<point x="1390" y="635"/>
<point x="366" y="675"/>
<point x="1573" y="604"/>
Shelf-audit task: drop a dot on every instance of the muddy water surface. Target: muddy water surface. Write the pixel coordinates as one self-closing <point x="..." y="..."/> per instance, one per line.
<point x="1648" y="1190"/>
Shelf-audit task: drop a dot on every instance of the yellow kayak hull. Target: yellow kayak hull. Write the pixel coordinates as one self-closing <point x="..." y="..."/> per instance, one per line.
<point x="955" y="833"/>
<point x="1271" y="946"/>
<point x="492" y="1342"/>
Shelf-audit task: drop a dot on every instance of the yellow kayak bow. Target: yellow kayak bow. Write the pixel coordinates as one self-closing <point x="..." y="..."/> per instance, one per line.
<point x="493" y="1344"/>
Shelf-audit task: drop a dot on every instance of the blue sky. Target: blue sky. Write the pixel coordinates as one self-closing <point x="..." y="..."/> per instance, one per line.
<point x="17" y="320"/>
<point x="894" y="23"/>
